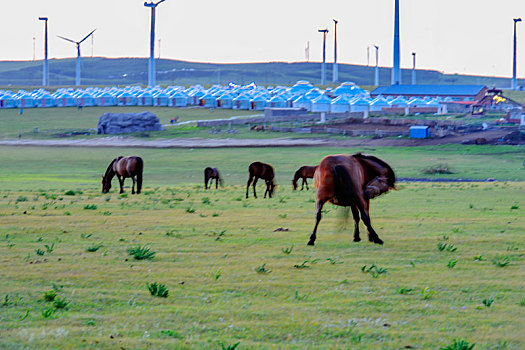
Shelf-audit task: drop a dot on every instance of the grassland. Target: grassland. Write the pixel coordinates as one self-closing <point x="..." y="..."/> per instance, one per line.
<point x="452" y="266"/>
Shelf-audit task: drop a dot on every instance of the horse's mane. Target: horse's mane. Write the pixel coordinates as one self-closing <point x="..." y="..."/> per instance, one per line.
<point x="109" y="170"/>
<point x="366" y="161"/>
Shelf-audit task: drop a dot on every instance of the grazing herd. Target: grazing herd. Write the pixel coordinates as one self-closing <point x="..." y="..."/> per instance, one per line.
<point x="343" y="180"/>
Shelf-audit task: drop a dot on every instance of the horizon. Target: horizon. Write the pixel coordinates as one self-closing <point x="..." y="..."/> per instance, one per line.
<point x="450" y="41"/>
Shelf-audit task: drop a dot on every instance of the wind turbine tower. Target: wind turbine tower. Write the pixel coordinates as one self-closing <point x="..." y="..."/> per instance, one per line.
<point x="413" y="68"/>
<point x="396" y="69"/>
<point x="45" y="77"/>
<point x="376" y="80"/>
<point x="514" y="79"/>
<point x="151" y="70"/>
<point x="335" y="71"/>
<point x="77" y="78"/>
<point x="323" y="69"/>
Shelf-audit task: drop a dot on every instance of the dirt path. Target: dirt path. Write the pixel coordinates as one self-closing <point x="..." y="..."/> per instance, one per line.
<point x="491" y="136"/>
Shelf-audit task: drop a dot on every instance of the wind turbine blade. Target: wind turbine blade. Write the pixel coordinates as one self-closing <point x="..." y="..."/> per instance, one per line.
<point x="66" y="39"/>
<point x="159" y="2"/>
<point x="87" y="36"/>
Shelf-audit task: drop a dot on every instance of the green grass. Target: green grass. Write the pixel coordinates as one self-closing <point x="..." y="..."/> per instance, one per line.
<point x="53" y="121"/>
<point x="229" y="279"/>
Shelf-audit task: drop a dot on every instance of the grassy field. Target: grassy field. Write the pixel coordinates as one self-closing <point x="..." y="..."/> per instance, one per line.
<point x="451" y="267"/>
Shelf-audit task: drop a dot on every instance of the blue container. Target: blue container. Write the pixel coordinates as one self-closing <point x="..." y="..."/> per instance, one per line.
<point x="419" y="132"/>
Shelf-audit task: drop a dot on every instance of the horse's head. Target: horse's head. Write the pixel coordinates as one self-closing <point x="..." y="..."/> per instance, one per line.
<point x="294" y="184"/>
<point x="273" y="186"/>
<point x="106" y="185"/>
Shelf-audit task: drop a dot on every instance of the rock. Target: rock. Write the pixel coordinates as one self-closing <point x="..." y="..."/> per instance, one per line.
<point x="119" y="123"/>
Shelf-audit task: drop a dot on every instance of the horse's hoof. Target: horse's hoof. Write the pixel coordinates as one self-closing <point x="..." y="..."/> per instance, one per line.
<point x="378" y="241"/>
<point x="357" y="239"/>
<point x="310" y="243"/>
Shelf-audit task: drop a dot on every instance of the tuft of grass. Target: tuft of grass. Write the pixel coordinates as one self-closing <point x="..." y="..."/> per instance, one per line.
<point x="171" y="334"/>
<point x="72" y="193"/>
<point x="90" y="207"/>
<point x="452" y="263"/>
<point x="404" y="290"/>
<point x="501" y="261"/>
<point x="215" y="275"/>
<point x="61" y="303"/>
<point x="141" y="252"/>
<point x="229" y="346"/>
<point x="458" y="344"/>
<point x="39" y="252"/>
<point x="449" y="247"/>
<point x="427" y="294"/>
<point x="262" y="269"/>
<point x="206" y="200"/>
<point x="50" y="295"/>
<point x="488" y="301"/>
<point x="514" y="207"/>
<point x="303" y="265"/>
<point x="287" y="250"/>
<point x="94" y="247"/>
<point x="190" y="210"/>
<point x="158" y="289"/>
<point x="48" y="312"/>
<point x="49" y="248"/>
<point x="21" y="199"/>
<point x="374" y="270"/>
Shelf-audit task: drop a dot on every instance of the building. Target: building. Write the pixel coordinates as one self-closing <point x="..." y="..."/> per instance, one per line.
<point x="449" y="92"/>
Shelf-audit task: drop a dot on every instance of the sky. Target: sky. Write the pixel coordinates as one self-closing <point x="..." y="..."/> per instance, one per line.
<point x="453" y="36"/>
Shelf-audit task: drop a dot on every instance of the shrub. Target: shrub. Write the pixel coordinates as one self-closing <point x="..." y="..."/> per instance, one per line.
<point x="141" y="252"/>
<point x="158" y="290"/>
<point x="441" y="168"/>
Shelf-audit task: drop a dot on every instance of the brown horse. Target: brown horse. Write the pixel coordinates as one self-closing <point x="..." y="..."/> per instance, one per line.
<point x="304" y="172"/>
<point x="124" y="167"/>
<point x="263" y="171"/>
<point x="351" y="181"/>
<point x="212" y="174"/>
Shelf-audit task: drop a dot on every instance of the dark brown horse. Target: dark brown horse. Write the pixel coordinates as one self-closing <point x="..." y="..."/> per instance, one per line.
<point x="351" y="181"/>
<point x="263" y="171"/>
<point x="212" y="174"/>
<point x="304" y="172"/>
<point x="124" y="167"/>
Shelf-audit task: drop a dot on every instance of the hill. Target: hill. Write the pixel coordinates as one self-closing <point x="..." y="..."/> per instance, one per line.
<point x="125" y="71"/>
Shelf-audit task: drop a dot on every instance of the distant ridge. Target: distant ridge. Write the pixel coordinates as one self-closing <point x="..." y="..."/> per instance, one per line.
<point x="126" y="71"/>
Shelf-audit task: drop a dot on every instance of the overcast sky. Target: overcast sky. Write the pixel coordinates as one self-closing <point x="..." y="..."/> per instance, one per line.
<point x="454" y="36"/>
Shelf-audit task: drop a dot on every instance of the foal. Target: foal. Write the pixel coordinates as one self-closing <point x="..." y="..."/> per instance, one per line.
<point x="304" y="172"/>
<point x="263" y="171"/>
<point x="212" y="174"/>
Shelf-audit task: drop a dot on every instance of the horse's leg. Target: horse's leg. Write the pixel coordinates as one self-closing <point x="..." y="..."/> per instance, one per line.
<point x="248" y="184"/>
<point x="205" y="182"/>
<point x="364" y="206"/>
<point x="133" y="186"/>
<point x="217" y="182"/>
<point x="254" y="184"/>
<point x="139" y="182"/>
<point x="121" y="182"/>
<point x="317" y="220"/>
<point x="355" y="214"/>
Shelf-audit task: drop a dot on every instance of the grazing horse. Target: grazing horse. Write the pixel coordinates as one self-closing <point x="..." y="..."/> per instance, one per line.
<point x="124" y="167"/>
<point x="304" y="172"/>
<point x="212" y="174"/>
<point x="263" y="171"/>
<point x="351" y="181"/>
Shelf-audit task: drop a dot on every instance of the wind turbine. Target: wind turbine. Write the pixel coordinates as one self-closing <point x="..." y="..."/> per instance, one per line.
<point x="514" y="80"/>
<point x="45" y="77"/>
<point x="376" y="78"/>
<point x="323" y="69"/>
<point x="396" y="69"/>
<point x="413" y="68"/>
<point x="77" y="79"/>
<point x="335" y="71"/>
<point x="151" y="70"/>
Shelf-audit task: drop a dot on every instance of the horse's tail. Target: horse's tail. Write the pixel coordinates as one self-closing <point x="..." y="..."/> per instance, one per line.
<point x="342" y="185"/>
<point x="140" y="170"/>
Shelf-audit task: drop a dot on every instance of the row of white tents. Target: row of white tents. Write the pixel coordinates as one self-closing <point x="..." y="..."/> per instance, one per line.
<point x="347" y="97"/>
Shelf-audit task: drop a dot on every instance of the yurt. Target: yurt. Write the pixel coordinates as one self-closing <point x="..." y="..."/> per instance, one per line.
<point x="208" y="101"/>
<point x="125" y="98"/>
<point x="303" y="102"/>
<point x="44" y="100"/>
<point x="277" y="101"/>
<point x="178" y="99"/>
<point x="301" y="87"/>
<point x="7" y="100"/>
<point x="225" y="101"/>
<point x="241" y="102"/>
<point x="321" y="103"/>
<point x="258" y="103"/>
<point x="105" y="99"/>
<point x="145" y="98"/>
<point x="359" y="104"/>
<point x="378" y="103"/>
<point x="24" y="100"/>
<point x="340" y="104"/>
<point x="160" y="99"/>
<point x="84" y="99"/>
<point x="64" y="99"/>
